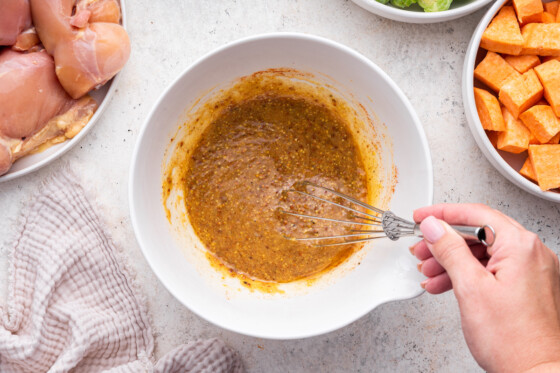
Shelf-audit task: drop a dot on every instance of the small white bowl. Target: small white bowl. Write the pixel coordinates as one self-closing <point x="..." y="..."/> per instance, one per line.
<point x="415" y="14"/>
<point x="33" y="162"/>
<point x="506" y="163"/>
<point x="386" y="270"/>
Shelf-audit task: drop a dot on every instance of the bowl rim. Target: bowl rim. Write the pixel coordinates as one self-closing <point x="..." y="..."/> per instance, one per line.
<point x="70" y="143"/>
<point x="134" y="169"/>
<point x="404" y="15"/>
<point x="474" y="121"/>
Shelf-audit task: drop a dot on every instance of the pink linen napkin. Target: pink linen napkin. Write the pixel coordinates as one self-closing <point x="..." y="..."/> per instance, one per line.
<point x="72" y="305"/>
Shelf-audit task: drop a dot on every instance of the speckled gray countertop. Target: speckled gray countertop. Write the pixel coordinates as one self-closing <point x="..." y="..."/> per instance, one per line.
<point x="423" y="334"/>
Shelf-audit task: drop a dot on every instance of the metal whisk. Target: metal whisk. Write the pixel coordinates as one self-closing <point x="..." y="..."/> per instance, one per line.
<point x="380" y="223"/>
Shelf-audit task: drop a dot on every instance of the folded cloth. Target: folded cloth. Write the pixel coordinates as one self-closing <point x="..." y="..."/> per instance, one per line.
<point x="72" y="305"/>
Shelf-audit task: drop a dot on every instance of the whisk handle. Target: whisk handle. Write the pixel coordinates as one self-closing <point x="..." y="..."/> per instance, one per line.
<point x="485" y="234"/>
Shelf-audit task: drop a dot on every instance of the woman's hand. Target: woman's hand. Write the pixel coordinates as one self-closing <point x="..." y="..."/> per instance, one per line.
<point x="508" y="294"/>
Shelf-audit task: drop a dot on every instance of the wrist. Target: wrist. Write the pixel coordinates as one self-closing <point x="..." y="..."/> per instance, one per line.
<point x="544" y="354"/>
<point x="551" y="366"/>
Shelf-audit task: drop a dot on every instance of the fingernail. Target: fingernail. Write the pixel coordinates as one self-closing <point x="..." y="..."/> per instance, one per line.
<point x="423" y="284"/>
<point x="411" y="249"/>
<point x="419" y="266"/>
<point x="432" y="229"/>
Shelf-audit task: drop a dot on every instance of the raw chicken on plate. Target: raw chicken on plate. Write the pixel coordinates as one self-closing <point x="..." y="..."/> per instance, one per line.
<point x="55" y="52"/>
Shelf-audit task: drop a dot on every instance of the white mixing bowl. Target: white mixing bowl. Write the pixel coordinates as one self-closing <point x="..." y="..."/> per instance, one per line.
<point x="507" y="164"/>
<point x="386" y="270"/>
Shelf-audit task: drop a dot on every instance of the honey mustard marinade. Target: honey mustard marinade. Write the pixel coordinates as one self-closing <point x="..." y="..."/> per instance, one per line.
<point x="239" y="169"/>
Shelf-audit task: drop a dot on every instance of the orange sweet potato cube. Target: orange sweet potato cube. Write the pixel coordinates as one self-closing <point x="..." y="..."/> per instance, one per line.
<point x="527" y="170"/>
<point x="550" y="58"/>
<point x="542" y="122"/>
<point x="493" y="137"/>
<point x="551" y="7"/>
<point x="523" y="63"/>
<point x="546" y="164"/>
<point x="558" y="15"/>
<point x="493" y="71"/>
<point x="515" y="138"/>
<point x="547" y="17"/>
<point x="549" y="75"/>
<point x="533" y="140"/>
<point x="519" y="94"/>
<point x="503" y="35"/>
<point x="489" y="111"/>
<point x="542" y="39"/>
<point x="528" y="10"/>
<point x="555" y="139"/>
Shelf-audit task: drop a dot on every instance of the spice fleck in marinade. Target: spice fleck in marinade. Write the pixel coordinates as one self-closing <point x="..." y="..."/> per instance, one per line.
<point x="239" y="169"/>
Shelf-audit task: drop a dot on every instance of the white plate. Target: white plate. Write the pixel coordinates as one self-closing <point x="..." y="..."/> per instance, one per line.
<point x="33" y="162"/>
<point x="506" y="163"/>
<point x="415" y="14"/>
<point x="387" y="271"/>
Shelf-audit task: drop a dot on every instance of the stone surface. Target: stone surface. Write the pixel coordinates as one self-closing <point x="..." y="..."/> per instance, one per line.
<point x="423" y="334"/>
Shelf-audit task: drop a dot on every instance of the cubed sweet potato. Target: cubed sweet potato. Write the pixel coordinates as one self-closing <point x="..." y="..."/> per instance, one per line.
<point x="515" y="138"/>
<point x="546" y="164"/>
<point x="551" y="7"/>
<point x="523" y="63"/>
<point x="558" y="16"/>
<point x="493" y="137"/>
<point x="503" y="35"/>
<point x="555" y="139"/>
<point x="489" y="111"/>
<point x="547" y="17"/>
<point x="541" y="39"/>
<point x="527" y="170"/>
<point x="542" y="122"/>
<point x="519" y="94"/>
<point x="549" y="75"/>
<point x="534" y="141"/>
<point x="549" y="58"/>
<point x="494" y="71"/>
<point x="528" y="10"/>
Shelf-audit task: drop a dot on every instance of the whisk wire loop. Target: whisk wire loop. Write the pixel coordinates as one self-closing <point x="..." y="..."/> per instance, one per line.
<point x="323" y="218"/>
<point x="344" y="196"/>
<point x="369" y="216"/>
<point x="392" y="226"/>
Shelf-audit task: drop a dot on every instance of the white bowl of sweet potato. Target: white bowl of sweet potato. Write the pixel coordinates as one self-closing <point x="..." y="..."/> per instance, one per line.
<point x="511" y="92"/>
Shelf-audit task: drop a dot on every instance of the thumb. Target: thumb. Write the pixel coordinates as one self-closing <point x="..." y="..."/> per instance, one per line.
<point x="452" y="252"/>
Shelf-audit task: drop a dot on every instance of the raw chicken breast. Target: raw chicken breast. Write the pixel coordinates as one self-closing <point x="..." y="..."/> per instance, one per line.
<point x="15" y="17"/>
<point x="35" y="111"/>
<point x="100" y="10"/>
<point x="86" y="56"/>
<point x="30" y="93"/>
